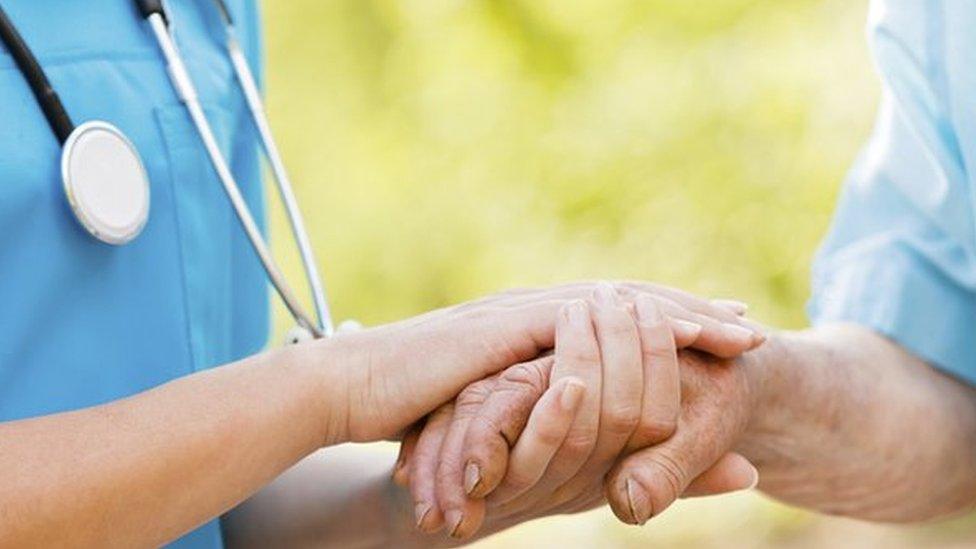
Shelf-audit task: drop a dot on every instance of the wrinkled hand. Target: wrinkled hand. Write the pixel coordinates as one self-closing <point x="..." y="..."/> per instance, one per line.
<point x="718" y="400"/>
<point x="614" y="389"/>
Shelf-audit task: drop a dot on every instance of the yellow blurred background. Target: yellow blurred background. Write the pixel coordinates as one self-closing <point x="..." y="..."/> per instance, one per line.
<point x="444" y="149"/>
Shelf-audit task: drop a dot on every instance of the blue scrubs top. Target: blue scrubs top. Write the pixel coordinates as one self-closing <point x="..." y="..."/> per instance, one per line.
<point x="901" y="255"/>
<point x="84" y="323"/>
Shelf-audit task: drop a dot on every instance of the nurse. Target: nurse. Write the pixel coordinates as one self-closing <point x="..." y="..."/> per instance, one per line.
<point x="137" y="401"/>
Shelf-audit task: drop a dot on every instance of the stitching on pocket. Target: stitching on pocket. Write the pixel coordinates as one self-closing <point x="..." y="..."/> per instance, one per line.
<point x="177" y="136"/>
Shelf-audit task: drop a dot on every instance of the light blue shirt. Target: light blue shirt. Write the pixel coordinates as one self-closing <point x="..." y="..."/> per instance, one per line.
<point x="84" y="323"/>
<point x="901" y="254"/>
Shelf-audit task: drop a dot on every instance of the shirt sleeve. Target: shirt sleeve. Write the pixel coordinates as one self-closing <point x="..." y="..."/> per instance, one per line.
<point x="900" y="255"/>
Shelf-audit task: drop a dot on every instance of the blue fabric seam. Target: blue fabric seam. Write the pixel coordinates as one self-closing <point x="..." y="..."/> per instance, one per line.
<point x="160" y="123"/>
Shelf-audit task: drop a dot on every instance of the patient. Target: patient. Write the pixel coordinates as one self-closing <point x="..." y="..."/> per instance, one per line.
<point x="870" y="413"/>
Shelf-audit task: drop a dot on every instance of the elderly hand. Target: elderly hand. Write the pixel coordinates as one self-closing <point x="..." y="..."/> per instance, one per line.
<point x="615" y="389"/>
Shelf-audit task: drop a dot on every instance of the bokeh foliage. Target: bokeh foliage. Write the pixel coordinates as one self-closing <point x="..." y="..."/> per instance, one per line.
<point x="444" y="149"/>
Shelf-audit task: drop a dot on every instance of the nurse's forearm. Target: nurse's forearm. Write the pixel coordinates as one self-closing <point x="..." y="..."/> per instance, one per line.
<point x="851" y="424"/>
<point x="142" y="471"/>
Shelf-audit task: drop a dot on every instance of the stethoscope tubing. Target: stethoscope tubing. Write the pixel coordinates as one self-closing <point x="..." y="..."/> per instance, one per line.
<point x="51" y="105"/>
<point x="282" y="180"/>
<point x="188" y="95"/>
<point x="155" y="14"/>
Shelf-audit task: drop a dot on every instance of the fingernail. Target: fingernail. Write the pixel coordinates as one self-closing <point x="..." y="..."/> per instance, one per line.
<point x="472" y="477"/>
<point x="454" y="519"/>
<point x="738" y="307"/>
<point x="572" y="396"/>
<point x="577" y="313"/>
<point x="648" y="313"/>
<point x="636" y="500"/>
<point x="739" y="332"/>
<point x="605" y="294"/>
<point x="421" y="510"/>
<point x="685" y="330"/>
<point x="755" y="478"/>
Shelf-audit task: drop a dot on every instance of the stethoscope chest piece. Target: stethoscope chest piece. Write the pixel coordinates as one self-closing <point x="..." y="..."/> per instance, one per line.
<point x="105" y="182"/>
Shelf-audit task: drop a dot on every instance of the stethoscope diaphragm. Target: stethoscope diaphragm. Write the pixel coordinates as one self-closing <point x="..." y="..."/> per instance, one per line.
<point x="105" y="182"/>
<point x="103" y="176"/>
<point x="107" y="185"/>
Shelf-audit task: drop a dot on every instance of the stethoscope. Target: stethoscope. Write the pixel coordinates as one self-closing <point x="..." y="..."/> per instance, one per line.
<point x="107" y="185"/>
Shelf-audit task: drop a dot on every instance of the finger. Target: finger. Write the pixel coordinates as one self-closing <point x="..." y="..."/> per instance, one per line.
<point x="732" y="473"/>
<point x="686" y="333"/>
<point x="401" y="471"/>
<point x="499" y="423"/>
<point x="661" y="402"/>
<point x="577" y="355"/>
<point x="719" y="310"/>
<point x="424" y="469"/>
<point x="544" y="433"/>
<point x="720" y="336"/>
<point x="722" y="339"/>
<point x="736" y="307"/>
<point x="462" y="516"/>
<point x="686" y="300"/>
<point x="622" y="388"/>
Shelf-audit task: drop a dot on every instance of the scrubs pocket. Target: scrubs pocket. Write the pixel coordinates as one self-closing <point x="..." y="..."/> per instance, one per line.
<point x="205" y="224"/>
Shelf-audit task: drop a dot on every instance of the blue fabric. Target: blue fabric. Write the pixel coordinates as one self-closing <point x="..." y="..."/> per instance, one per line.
<point x="901" y="254"/>
<point x="84" y="323"/>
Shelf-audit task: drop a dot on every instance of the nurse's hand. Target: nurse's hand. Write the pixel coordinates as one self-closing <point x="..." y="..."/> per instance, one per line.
<point x="614" y="389"/>
<point x="379" y="381"/>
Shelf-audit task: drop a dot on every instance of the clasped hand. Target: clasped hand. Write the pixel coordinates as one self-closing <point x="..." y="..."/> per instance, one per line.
<point x="595" y="421"/>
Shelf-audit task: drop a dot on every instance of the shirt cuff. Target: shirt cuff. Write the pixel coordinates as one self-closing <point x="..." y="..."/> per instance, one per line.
<point x="905" y="299"/>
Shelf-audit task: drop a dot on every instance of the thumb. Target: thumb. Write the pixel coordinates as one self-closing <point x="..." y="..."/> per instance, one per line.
<point x="731" y="474"/>
<point x="643" y="484"/>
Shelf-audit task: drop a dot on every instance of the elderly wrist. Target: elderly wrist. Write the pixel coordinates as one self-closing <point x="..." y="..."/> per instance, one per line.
<point x="768" y="369"/>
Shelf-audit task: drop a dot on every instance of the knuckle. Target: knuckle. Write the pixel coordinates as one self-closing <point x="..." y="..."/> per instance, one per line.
<point x="550" y="435"/>
<point x="654" y="430"/>
<point x="526" y="377"/>
<point x="579" y="443"/>
<point x="581" y="354"/>
<point x="493" y="431"/>
<point x="465" y="411"/>
<point x="619" y="326"/>
<point x="506" y="418"/>
<point x="660" y="350"/>
<point x="482" y="433"/>
<point x="474" y="394"/>
<point x="518" y="480"/>
<point x="670" y="475"/>
<point x="621" y="420"/>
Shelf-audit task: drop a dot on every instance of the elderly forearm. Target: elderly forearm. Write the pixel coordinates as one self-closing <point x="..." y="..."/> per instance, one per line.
<point x="849" y="423"/>
<point x="337" y="497"/>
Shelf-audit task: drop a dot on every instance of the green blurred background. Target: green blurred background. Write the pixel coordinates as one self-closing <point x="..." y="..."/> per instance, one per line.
<point x="444" y="149"/>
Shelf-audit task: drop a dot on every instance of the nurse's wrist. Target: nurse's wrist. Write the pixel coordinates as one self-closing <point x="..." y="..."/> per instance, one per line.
<point x="327" y="397"/>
